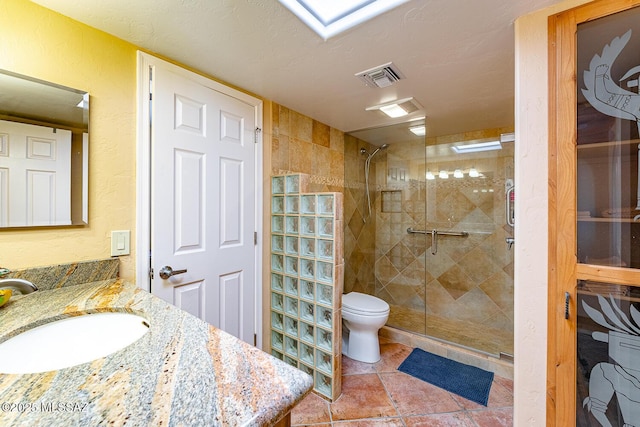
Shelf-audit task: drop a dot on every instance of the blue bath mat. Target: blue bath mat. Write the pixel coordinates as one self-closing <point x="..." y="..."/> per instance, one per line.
<point x="467" y="381"/>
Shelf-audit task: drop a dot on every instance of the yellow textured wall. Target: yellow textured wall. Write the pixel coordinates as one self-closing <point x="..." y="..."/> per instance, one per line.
<point x="40" y="43"/>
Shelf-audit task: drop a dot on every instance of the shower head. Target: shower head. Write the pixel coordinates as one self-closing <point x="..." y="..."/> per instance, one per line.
<point x="382" y="147"/>
<point x="370" y="155"/>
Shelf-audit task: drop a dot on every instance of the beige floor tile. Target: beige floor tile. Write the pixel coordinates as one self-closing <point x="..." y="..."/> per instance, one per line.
<point x="377" y="395"/>
<point x="454" y="419"/>
<point x="504" y="382"/>
<point x="382" y="422"/>
<point x="391" y="356"/>
<point x="493" y="417"/>
<point x="415" y="397"/>
<point x="312" y="410"/>
<point x="354" y="367"/>
<point x="363" y="396"/>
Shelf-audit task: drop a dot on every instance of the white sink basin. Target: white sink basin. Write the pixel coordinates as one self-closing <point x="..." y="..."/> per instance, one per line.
<point x="70" y="341"/>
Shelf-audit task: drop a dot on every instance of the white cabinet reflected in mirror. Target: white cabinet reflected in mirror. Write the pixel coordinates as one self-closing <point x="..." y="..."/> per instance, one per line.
<point x="44" y="152"/>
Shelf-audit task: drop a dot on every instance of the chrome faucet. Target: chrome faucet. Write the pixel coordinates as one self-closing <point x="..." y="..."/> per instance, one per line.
<point x="19" y="285"/>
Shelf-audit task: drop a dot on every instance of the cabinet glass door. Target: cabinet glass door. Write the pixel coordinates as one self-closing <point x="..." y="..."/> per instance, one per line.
<point x="608" y="220"/>
<point x="608" y="118"/>
<point x="608" y="368"/>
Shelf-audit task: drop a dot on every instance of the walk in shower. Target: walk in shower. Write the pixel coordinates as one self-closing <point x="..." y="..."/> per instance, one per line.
<point x="437" y="244"/>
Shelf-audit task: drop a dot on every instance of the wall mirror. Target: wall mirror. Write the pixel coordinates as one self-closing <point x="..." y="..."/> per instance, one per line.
<point x="44" y="152"/>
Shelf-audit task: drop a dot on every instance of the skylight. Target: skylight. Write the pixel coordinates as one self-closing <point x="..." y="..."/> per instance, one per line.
<point x="330" y="17"/>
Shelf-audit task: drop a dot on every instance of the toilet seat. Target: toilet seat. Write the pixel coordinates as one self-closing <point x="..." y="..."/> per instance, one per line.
<point x="364" y="305"/>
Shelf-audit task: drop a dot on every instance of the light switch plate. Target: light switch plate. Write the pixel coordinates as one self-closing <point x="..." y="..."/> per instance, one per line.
<point x="120" y="241"/>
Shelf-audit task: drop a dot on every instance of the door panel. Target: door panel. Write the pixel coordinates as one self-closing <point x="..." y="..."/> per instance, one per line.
<point x="230" y="296"/>
<point x="203" y="204"/>
<point x="189" y="298"/>
<point x="231" y="214"/>
<point x="189" y="201"/>
<point x="35" y="175"/>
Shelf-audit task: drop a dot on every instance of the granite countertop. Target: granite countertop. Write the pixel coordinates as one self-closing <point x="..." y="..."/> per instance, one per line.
<point x="181" y="372"/>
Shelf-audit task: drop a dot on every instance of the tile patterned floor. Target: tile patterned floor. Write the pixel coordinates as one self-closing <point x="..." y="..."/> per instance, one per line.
<point x="379" y="395"/>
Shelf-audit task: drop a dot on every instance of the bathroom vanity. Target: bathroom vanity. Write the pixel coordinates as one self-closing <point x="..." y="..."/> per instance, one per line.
<point x="181" y="372"/>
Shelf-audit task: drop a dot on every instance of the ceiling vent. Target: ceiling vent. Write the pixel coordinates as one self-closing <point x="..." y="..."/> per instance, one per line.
<point x="381" y="76"/>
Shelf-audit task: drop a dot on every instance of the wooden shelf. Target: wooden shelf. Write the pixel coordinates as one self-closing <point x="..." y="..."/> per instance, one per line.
<point x="610" y="220"/>
<point x="608" y="144"/>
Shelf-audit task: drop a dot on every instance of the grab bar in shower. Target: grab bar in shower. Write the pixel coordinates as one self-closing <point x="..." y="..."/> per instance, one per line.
<point x="434" y="236"/>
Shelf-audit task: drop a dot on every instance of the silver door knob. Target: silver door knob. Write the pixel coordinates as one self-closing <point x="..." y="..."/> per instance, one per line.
<point x="167" y="271"/>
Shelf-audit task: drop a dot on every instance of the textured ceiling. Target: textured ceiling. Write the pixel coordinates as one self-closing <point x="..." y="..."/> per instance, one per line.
<point x="457" y="55"/>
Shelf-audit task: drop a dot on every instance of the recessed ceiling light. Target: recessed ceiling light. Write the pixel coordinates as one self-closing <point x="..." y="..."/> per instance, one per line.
<point x="418" y="130"/>
<point x="473" y="148"/>
<point x="393" y="110"/>
<point x="330" y="17"/>
<point x="398" y="108"/>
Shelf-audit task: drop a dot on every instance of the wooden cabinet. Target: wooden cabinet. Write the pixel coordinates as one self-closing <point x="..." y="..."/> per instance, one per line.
<point x="594" y="220"/>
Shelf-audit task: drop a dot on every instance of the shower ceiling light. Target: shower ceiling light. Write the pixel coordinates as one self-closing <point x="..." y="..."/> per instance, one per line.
<point x="393" y="110"/>
<point x="398" y="108"/>
<point x="474" y="148"/>
<point x="443" y="174"/>
<point x="473" y="173"/>
<point x="458" y="174"/>
<point x="430" y="176"/>
<point x="330" y="17"/>
<point x="418" y="130"/>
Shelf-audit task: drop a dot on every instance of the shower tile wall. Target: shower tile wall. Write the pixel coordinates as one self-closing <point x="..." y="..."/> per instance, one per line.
<point x="300" y="144"/>
<point x="359" y="236"/>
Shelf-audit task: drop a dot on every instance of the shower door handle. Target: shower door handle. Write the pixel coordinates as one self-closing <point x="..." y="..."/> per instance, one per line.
<point x="434" y="236"/>
<point x="509" y="200"/>
<point x="434" y="242"/>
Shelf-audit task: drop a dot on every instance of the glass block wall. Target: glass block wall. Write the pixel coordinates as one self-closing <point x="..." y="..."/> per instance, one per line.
<point x="306" y="280"/>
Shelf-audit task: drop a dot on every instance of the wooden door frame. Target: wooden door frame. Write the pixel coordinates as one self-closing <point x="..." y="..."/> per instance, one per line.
<point x="143" y="173"/>
<point x="563" y="268"/>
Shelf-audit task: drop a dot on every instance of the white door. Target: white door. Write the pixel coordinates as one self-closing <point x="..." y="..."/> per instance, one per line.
<point x="203" y="209"/>
<point x="35" y="175"/>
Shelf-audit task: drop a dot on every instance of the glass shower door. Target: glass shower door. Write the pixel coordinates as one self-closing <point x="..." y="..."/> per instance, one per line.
<point x="469" y="261"/>
<point x="400" y="256"/>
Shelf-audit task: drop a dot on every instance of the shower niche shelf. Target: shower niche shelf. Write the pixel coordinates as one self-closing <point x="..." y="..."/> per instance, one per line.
<point x="307" y="280"/>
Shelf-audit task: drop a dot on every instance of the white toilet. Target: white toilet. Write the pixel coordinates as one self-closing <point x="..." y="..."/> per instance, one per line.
<point x="362" y="316"/>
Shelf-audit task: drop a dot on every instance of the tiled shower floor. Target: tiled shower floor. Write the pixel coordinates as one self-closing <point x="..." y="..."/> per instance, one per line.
<point x="379" y="395"/>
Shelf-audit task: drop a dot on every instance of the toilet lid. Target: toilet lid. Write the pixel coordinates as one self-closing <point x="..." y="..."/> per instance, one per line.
<point x="357" y="302"/>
